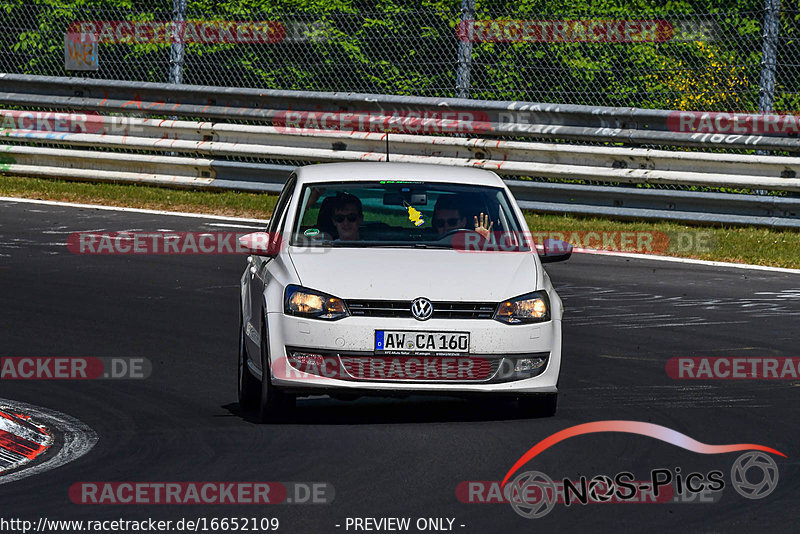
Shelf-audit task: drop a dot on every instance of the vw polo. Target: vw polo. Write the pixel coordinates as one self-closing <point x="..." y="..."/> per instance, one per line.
<point x="387" y="279"/>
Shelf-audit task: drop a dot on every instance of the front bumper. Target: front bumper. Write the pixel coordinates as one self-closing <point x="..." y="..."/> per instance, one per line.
<point x="354" y="337"/>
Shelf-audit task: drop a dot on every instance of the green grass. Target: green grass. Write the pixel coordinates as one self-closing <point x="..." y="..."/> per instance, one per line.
<point x="757" y="246"/>
<point x="252" y="205"/>
<point x="751" y="245"/>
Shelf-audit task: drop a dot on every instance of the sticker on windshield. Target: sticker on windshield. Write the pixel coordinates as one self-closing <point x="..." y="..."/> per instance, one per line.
<point x="311" y="232"/>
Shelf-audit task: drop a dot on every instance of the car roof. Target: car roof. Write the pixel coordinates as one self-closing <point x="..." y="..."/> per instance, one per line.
<point x="418" y="172"/>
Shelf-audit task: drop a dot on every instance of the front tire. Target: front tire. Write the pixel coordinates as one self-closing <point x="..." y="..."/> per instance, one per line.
<point x="249" y="387"/>
<point x="275" y="405"/>
<point x="538" y="404"/>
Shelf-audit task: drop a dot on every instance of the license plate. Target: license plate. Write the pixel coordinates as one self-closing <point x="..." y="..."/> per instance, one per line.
<point x="415" y="342"/>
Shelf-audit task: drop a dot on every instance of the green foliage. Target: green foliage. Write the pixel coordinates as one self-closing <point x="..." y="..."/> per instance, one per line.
<point x="711" y="62"/>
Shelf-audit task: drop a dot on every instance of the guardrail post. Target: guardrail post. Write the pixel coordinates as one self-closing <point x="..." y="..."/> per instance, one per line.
<point x="177" y="45"/>
<point x="465" y="48"/>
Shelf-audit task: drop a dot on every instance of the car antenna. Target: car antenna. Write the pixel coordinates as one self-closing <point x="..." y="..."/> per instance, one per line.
<point x="387" y="147"/>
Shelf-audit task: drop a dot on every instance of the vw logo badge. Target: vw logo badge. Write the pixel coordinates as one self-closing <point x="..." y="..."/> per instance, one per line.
<point x="421" y="309"/>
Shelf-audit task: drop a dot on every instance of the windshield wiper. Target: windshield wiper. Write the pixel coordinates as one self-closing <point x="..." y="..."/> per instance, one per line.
<point x="377" y="244"/>
<point x="410" y="245"/>
<point x="432" y="245"/>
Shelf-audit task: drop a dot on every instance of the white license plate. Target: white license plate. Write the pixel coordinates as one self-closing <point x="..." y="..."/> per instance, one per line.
<point x="416" y="342"/>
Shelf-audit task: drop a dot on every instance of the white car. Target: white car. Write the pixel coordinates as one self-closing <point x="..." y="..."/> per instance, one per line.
<point x="397" y="279"/>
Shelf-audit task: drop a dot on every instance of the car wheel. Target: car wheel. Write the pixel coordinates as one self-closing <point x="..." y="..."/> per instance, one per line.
<point x="538" y="405"/>
<point x="248" y="384"/>
<point x="275" y="405"/>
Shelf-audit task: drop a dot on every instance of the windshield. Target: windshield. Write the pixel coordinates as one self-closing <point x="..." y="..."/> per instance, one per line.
<point x="403" y="214"/>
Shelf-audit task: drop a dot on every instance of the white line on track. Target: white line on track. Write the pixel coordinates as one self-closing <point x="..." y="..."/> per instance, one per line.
<point x="133" y="210"/>
<point x="689" y="261"/>
<point x="78" y="439"/>
<point x="264" y="221"/>
<point x="72" y="231"/>
<point x="662" y="325"/>
<point x="228" y="225"/>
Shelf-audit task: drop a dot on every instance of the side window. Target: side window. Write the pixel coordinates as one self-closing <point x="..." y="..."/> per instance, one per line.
<point x="279" y="214"/>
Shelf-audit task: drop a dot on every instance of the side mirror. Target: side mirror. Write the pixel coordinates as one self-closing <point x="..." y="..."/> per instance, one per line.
<point x="553" y="250"/>
<point x="262" y="243"/>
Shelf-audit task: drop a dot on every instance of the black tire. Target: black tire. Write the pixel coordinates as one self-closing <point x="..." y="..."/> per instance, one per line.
<point x="248" y="386"/>
<point x="538" y="404"/>
<point x="274" y="405"/>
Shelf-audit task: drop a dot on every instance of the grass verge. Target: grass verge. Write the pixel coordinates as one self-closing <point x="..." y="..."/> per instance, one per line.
<point x="758" y="246"/>
<point x="232" y="203"/>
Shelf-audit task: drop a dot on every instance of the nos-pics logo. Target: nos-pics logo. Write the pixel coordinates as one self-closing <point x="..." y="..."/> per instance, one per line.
<point x="533" y="494"/>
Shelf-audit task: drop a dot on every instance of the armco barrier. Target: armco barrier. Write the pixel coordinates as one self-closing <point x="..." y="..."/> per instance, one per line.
<point x="104" y="133"/>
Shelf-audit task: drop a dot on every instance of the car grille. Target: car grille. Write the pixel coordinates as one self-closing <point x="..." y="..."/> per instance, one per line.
<point x="418" y="369"/>
<point x="402" y="308"/>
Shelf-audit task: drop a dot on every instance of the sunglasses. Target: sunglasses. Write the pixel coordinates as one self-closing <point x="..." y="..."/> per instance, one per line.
<point x="351" y="217"/>
<point x="439" y="223"/>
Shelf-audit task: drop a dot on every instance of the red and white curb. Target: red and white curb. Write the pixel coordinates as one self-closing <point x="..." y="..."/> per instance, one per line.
<point x="28" y="431"/>
<point x="21" y="439"/>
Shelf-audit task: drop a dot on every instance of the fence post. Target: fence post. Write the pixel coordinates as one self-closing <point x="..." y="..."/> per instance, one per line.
<point x="769" y="62"/>
<point x="769" y="56"/>
<point x="177" y="45"/>
<point x="465" y="48"/>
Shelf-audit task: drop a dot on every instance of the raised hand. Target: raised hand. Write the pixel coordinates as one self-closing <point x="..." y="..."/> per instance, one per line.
<point x="484" y="225"/>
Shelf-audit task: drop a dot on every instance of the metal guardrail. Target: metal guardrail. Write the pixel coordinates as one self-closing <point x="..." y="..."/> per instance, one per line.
<point x="559" y="161"/>
<point x="630" y="126"/>
<point x="146" y="149"/>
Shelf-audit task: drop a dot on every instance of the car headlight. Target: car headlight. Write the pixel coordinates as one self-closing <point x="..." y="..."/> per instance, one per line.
<point x="529" y="308"/>
<point x="304" y="302"/>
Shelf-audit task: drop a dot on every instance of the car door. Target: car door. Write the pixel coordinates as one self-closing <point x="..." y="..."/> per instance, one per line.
<point x="257" y="271"/>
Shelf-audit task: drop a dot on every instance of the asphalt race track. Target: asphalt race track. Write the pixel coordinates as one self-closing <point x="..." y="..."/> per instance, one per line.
<point x="390" y="457"/>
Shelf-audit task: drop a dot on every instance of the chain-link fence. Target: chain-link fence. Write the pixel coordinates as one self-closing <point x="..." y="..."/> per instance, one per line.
<point x="707" y="56"/>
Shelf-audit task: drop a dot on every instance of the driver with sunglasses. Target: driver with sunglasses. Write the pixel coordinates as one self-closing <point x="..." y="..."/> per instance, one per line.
<point x="448" y="216"/>
<point x="347" y="217"/>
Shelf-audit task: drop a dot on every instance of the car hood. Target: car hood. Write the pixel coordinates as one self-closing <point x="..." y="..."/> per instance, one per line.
<point x="404" y="274"/>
